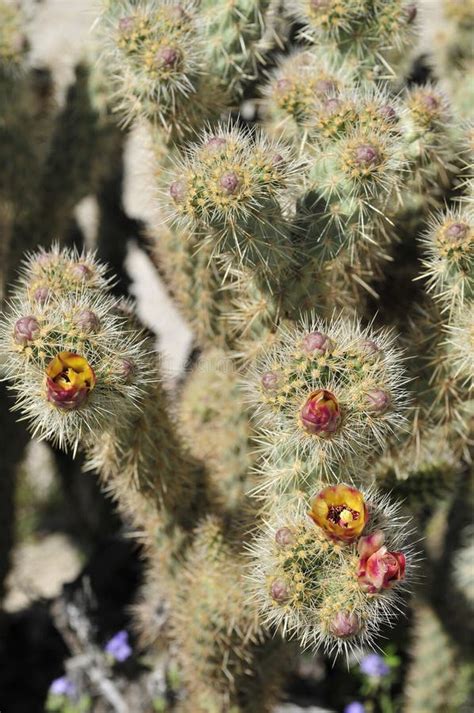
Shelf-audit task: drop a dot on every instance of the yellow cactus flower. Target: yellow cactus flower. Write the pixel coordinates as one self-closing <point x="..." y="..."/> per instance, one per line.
<point x="340" y="510"/>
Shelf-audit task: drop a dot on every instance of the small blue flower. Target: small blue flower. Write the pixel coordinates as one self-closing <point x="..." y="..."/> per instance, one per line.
<point x="62" y="687"/>
<point x="354" y="707"/>
<point x="374" y="665"/>
<point x="118" y="646"/>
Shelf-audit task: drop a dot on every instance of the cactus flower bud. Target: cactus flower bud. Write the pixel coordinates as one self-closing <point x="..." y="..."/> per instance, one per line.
<point x="332" y="105"/>
<point x="79" y="271"/>
<point x="178" y="191"/>
<point x="388" y="112"/>
<point x="345" y="624"/>
<point x="126" y="24"/>
<point x="378" y="401"/>
<point x="366" y="155"/>
<point x="283" y="85"/>
<point x="284" y="537"/>
<point x="126" y="369"/>
<point x="457" y="231"/>
<point x="316" y="342"/>
<point x="41" y="294"/>
<point x="340" y="510"/>
<point x="69" y="379"/>
<point x="430" y="102"/>
<point x="214" y="143"/>
<point x="320" y="415"/>
<point x="279" y="590"/>
<point x="378" y="569"/>
<point x="325" y="86"/>
<point x="320" y="5"/>
<point x="229" y="182"/>
<point x="87" y="321"/>
<point x="26" y="330"/>
<point x="370" y="347"/>
<point x="168" y="57"/>
<point x="270" y="380"/>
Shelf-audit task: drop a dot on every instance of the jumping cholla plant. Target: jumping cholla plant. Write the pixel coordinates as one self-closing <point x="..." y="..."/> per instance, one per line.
<point x="321" y="246"/>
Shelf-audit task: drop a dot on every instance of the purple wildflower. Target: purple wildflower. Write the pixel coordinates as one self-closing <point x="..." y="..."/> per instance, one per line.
<point x="118" y="646"/>
<point x="62" y="687"/>
<point x="354" y="707"/>
<point x="374" y="665"/>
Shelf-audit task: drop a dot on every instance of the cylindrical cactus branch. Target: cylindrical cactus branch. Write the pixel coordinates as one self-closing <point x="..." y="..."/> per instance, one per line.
<point x="230" y="189"/>
<point x="446" y="32"/>
<point x="325" y="395"/>
<point x="215" y="426"/>
<point x="449" y="257"/>
<point x="215" y="627"/>
<point x="328" y="571"/>
<point x="153" y="54"/>
<point x="84" y="376"/>
<point x="435" y="680"/>
<point x="371" y="35"/>
<point x="178" y="64"/>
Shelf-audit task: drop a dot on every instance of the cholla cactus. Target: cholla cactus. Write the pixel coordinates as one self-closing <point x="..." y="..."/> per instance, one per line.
<point x="369" y="34"/>
<point x="303" y="78"/>
<point x="331" y="576"/>
<point x="297" y="188"/>
<point x="229" y="190"/>
<point x="217" y="430"/>
<point x="68" y="357"/>
<point x="212" y="623"/>
<point x="449" y="265"/>
<point x="154" y="56"/>
<point x="326" y="394"/>
<point x="446" y="31"/>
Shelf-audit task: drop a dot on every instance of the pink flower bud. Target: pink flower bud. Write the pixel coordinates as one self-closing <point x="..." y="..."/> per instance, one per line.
<point x="317" y="342"/>
<point x="370" y="347"/>
<point x="270" y="380"/>
<point x="87" y="321"/>
<point x="378" y="401"/>
<point x="168" y="57"/>
<point x="457" y="231"/>
<point x="283" y="85"/>
<point x="320" y="415"/>
<point x="44" y="260"/>
<point x="214" y="143"/>
<point x="366" y="155"/>
<point x="378" y="568"/>
<point x="332" y="105"/>
<point x="127" y="369"/>
<point x="230" y="182"/>
<point x="430" y="102"/>
<point x="345" y="624"/>
<point x="388" y="112"/>
<point x="279" y="590"/>
<point x="79" y="271"/>
<point x="284" y="537"/>
<point x="126" y="24"/>
<point x="320" y="4"/>
<point x="26" y="330"/>
<point x="41" y="294"/>
<point x="178" y="191"/>
<point x="325" y="86"/>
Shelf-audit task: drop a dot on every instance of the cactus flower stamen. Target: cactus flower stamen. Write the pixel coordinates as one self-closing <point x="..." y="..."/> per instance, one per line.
<point x="340" y="510"/>
<point x="69" y="379"/>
